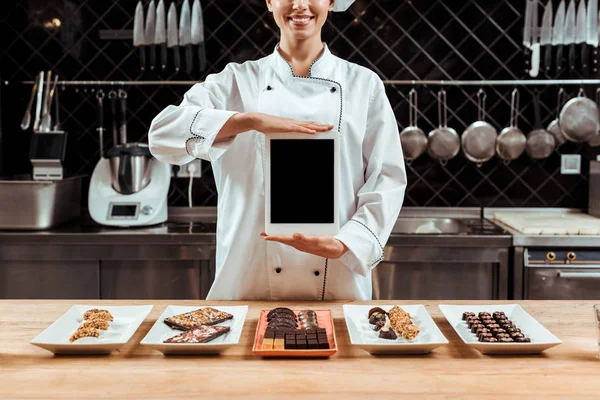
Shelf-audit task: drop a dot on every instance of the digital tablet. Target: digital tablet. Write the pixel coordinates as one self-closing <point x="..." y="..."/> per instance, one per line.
<point x="302" y="183"/>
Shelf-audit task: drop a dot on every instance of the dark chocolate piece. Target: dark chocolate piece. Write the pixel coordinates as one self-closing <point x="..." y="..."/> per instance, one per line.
<point x="290" y="344"/>
<point x="502" y="335"/>
<point x="280" y="310"/>
<point x="390" y="334"/>
<point x="492" y="326"/>
<point x="481" y="330"/>
<point x="474" y="327"/>
<point x="497" y="331"/>
<point x="374" y="310"/>
<point x="522" y="340"/>
<point x="512" y="329"/>
<point x="323" y="345"/>
<point x="484" y="314"/>
<point x="375" y="317"/>
<point x="483" y="336"/>
<point x="490" y="340"/>
<point x="321" y="330"/>
<point x="313" y="344"/>
<point x="498" y="314"/>
<point x="515" y="335"/>
<point x="379" y="325"/>
<point x="505" y="340"/>
<point x="467" y="314"/>
<point x="301" y="343"/>
<point x="270" y="334"/>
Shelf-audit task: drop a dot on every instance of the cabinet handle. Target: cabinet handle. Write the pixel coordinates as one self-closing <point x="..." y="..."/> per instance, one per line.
<point x="583" y="275"/>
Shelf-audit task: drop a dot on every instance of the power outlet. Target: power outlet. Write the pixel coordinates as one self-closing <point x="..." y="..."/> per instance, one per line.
<point x="184" y="173"/>
<point x="570" y="164"/>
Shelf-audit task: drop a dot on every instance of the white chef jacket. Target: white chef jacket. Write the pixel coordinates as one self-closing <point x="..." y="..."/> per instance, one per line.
<point x="372" y="173"/>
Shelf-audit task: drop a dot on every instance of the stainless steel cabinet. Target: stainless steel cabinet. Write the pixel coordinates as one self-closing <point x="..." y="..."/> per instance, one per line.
<point x="434" y="281"/>
<point x="155" y="279"/>
<point x="562" y="283"/>
<point x="49" y="280"/>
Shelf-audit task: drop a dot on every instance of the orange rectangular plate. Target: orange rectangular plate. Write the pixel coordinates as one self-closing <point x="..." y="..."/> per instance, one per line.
<point x="324" y="319"/>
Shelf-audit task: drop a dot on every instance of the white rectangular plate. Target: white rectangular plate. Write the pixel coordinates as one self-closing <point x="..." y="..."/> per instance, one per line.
<point x="362" y="334"/>
<point x="161" y="331"/>
<point x="541" y="338"/>
<point x="127" y="319"/>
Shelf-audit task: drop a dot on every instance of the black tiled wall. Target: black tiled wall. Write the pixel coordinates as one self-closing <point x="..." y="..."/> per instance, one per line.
<point x="400" y="40"/>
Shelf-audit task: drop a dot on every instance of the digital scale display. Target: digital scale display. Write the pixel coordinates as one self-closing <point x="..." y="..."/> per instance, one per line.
<point x="123" y="211"/>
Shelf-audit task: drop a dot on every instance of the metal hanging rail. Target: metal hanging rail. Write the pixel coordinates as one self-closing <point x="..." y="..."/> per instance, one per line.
<point x="539" y="82"/>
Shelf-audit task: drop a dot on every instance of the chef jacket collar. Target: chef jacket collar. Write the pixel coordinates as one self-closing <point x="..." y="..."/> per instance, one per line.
<point x="319" y="68"/>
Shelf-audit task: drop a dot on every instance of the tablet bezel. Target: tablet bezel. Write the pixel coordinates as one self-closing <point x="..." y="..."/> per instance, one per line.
<point x="289" y="229"/>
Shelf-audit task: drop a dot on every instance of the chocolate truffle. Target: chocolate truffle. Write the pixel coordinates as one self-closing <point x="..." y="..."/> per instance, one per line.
<point x="376" y="316"/>
<point x="522" y="340"/>
<point x="390" y="334"/>
<point x="515" y="335"/>
<point x="505" y="340"/>
<point x="483" y="336"/>
<point x="481" y="330"/>
<point x="512" y="329"/>
<point x="376" y="310"/>
<point x="474" y="327"/>
<point x="497" y="331"/>
<point x="490" y="340"/>
<point x="484" y="314"/>
<point x="467" y="314"/>
<point x="498" y="314"/>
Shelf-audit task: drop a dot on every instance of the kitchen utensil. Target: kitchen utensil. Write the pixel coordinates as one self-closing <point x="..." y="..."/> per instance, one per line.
<point x="185" y="35"/>
<point x="123" y="129"/>
<point x="112" y="96"/>
<point x="540" y="142"/>
<point x="443" y="142"/>
<point x="46" y="124"/>
<point x="528" y="33"/>
<point x="139" y="36"/>
<point x="149" y="33"/>
<point x="570" y="34"/>
<point x="512" y="141"/>
<point x="198" y="33"/>
<point x="412" y="138"/>
<point x="100" y="128"/>
<point x="57" y="124"/>
<point x="579" y="118"/>
<point x="558" y="36"/>
<point x="479" y="139"/>
<point x="129" y="167"/>
<point x="26" y="121"/>
<point x="554" y="125"/>
<point x="535" y="42"/>
<point x="581" y="37"/>
<point x="592" y="33"/>
<point x="546" y="36"/>
<point x="45" y="111"/>
<point x="173" y="35"/>
<point x="38" y="102"/>
<point x="160" y="35"/>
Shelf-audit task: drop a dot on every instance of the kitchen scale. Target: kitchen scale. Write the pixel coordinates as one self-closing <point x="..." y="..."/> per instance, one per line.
<point x="129" y="187"/>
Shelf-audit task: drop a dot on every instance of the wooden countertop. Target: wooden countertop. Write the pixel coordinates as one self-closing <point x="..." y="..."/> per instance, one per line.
<point x="570" y="370"/>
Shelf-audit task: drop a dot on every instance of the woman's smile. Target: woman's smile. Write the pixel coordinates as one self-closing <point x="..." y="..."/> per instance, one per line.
<point x="300" y="21"/>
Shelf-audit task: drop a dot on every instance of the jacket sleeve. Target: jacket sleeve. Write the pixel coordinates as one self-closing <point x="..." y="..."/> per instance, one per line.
<point x="381" y="197"/>
<point x="179" y="134"/>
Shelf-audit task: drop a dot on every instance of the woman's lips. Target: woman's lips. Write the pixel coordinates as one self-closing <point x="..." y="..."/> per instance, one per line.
<point x="300" y="21"/>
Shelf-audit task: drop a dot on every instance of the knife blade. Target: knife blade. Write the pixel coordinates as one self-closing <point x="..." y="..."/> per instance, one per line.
<point x="570" y="34"/>
<point x="198" y="33"/>
<point x="581" y="37"/>
<point x="139" y="38"/>
<point x="185" y="35"/>
<point x="527" y="35"/>
<point x="173" y="35"/>
<point x="160" y="35"/>
<point x="546" y="36"/>
<point x="592" y="32"/>
<point x="535" y="42"/>
<point x="558" y="35"/>
<point x="150" y="31"/>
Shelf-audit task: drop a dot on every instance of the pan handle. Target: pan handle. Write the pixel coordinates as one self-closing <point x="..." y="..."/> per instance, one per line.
<point x="443" y="108"/>
<point x="514" y="106"/>
<point x="413" y="114"/>
<point x="481" y="97"/>
<point x="560" y="101"/>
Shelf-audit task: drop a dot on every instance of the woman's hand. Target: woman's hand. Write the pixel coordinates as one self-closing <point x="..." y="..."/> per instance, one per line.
<point x="322" y="246"/>
<point x="267" y="124"/>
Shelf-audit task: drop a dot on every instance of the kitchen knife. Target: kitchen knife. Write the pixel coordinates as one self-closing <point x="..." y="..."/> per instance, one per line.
<point x="527" y="35"/>
<point x="149" y="32"/>
<point x="535" y="42"/>
<point x="592" y="33"/>
<point x="558" y="35"/>
<point x="198" y="33"/>
<point x="185" y="35"/>
<point x="139" y="38"/>
<point x="38" y="102"/>
<point x="546" y="36"/>
<point x="160" y="35"/>
<point x="581" y="37"/>
<point x="570" y="34"/>
<point x="172" y="35"/>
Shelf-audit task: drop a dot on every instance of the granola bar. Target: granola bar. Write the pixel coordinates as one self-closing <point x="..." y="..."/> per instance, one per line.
<point x="197" y="318"/>
<point x="95" y="313"/>
<point x="95" y="323"/>
<point x="82" y="332"/>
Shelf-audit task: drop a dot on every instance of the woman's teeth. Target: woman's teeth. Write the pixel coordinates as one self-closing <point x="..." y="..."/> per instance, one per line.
<point x="303" y="20"/>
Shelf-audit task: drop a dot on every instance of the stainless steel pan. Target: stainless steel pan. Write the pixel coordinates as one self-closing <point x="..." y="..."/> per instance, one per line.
<point x="540" y="142"/>
<point x="512" y="141"/>
<point x="554" y="125"/>
<point x="413" y="139"/>
<point x="580" y="118"/>
<point x="479" y="139"/>
<point x="443" y="142"/>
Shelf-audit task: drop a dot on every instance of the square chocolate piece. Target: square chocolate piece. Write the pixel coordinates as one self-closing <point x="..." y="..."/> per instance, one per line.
<point x="301" y="344"/>
<point x="313" y="344"/>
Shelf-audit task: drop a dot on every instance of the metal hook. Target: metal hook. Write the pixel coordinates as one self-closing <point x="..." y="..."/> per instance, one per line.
<point x="100" y="94"/>
<point x="122" y="94"/>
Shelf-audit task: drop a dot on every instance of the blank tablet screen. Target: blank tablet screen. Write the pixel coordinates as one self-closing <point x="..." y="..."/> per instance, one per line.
<point x="302" y="181"/>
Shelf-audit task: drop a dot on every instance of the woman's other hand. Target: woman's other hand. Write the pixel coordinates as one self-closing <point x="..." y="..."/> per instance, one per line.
<point x="323" y="246"/>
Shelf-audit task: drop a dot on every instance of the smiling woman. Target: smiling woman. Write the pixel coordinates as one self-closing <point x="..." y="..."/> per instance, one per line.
<point x="300" y="88"/>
